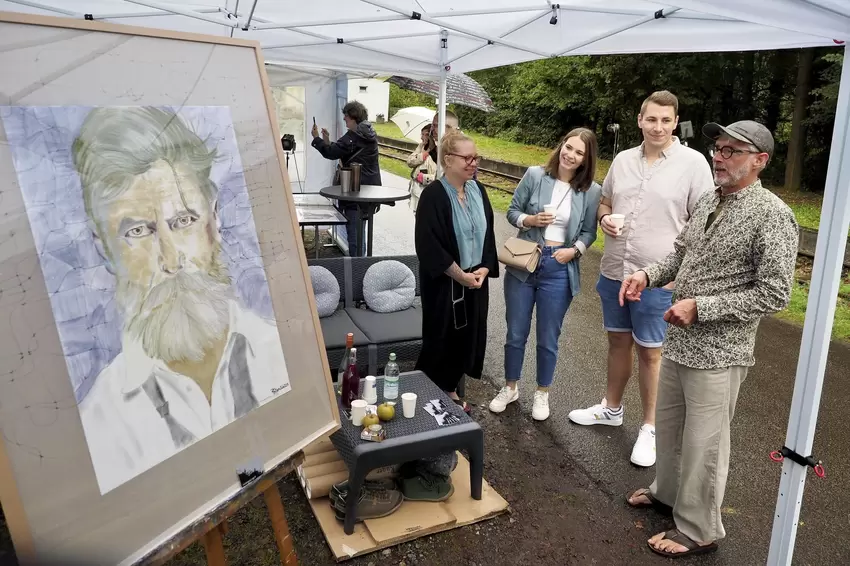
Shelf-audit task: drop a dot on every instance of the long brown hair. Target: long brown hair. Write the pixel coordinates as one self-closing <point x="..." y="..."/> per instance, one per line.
<point x="587" y="170"/>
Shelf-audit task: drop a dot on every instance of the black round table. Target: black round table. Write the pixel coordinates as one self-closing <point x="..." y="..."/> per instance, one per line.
<point x="367" y="199"/>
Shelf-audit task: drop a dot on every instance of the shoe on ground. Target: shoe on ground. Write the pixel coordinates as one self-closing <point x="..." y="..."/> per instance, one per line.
<point x="505" y="397"/>
<point x="596" y="415"/>
<point x="427" y="487"/>
<point x="340" y="490"/>
<point x="540" y="409"/>
<point x="643" y="454"/>
<point x="373" y="504"/>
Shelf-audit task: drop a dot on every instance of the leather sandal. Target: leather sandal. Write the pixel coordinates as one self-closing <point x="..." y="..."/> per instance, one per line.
<point x="653" y="503"/>
<point x="693" y="547"/>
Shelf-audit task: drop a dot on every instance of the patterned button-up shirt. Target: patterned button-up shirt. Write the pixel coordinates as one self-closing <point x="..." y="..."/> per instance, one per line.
<point x="739" y="269"/>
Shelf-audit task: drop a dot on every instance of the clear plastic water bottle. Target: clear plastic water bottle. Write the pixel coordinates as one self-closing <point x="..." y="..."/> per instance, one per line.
<point x="391" y="379"/>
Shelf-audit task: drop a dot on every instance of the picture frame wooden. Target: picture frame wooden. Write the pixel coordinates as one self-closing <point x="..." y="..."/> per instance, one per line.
<point x="54" y="507"/>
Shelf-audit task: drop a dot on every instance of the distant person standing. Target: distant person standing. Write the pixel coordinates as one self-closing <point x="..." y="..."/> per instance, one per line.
<point x="653" y="188"/>
<point x="423" y="170"/>
<point x="358" y="145"/>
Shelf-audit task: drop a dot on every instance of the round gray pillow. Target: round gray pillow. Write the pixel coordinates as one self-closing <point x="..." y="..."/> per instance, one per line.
<point x="326" y="290"/>
<point x="389" y="286"/>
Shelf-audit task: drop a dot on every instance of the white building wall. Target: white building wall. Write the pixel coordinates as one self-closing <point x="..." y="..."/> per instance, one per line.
<point x="374" y="94"/>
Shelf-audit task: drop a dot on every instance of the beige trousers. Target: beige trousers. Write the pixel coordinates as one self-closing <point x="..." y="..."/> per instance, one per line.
<point x="692" y="417"/>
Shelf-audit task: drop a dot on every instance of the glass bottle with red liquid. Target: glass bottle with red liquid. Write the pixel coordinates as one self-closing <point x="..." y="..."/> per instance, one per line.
<point x="351" y="381"/>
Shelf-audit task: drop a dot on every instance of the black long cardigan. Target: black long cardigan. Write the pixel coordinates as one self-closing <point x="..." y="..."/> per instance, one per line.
<point x="449" y="353"/>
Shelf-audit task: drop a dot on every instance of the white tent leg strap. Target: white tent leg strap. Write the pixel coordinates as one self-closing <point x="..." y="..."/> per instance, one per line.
<point x="820" y="312"/>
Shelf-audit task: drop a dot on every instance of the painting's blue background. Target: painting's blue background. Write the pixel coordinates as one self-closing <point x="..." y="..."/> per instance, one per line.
<point x="81" y="290"/>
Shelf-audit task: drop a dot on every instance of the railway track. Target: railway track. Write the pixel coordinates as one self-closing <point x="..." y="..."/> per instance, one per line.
<point x="490" y="179"/>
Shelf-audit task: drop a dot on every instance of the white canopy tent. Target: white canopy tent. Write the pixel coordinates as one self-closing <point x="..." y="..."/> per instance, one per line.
<point x="316" y="43"/>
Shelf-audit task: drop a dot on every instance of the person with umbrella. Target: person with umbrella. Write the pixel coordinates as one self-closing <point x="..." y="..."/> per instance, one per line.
<point x="423" y="168"/>
<point x="358" y="145"/>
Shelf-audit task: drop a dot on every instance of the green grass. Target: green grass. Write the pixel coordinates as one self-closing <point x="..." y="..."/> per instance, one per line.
<point x="796" y="311"/>
<point x="499" y="149"/>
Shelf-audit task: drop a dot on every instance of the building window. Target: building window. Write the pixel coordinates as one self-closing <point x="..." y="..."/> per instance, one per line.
<point x="363" y="89"/>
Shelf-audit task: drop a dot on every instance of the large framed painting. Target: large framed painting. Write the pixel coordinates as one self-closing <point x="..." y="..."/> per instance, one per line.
<point x="157" y="324"/>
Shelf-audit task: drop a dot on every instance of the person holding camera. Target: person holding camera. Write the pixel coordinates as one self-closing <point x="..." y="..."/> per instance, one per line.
<point x="358" y="145"/>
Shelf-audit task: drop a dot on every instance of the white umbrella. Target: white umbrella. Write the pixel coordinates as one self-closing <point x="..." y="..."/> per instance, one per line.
<point x="411" y="121"/>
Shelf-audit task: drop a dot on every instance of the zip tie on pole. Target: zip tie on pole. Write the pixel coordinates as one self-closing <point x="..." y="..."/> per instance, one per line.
<point x="806" y="461"/>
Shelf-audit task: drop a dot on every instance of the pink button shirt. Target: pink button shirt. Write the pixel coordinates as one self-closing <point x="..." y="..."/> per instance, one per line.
<point x="657" y="201"/>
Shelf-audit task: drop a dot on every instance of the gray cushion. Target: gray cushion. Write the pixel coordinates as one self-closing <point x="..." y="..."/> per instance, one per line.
<point x="389" y="286"/>
<point x="383" y="328"/>
<point x="326" y="290"/>
<point x="335" y="328"/>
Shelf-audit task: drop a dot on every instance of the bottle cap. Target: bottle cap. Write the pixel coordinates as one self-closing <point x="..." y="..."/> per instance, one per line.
<point x="392" y="356"/>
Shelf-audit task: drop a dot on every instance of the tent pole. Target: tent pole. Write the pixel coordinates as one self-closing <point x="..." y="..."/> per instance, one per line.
<point x="42" y="6"/>
<point x="181" y="12"/>
<point x="441" y="103"/>
<point x="817" y="330"/>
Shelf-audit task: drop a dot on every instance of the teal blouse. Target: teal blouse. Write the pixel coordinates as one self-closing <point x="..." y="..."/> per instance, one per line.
<point x="469" y="221"/>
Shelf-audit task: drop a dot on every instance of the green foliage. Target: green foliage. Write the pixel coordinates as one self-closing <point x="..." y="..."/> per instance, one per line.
<point x="539" y="101"/>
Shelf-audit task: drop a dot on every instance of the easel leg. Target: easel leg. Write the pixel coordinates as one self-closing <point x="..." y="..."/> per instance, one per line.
<point x="214" y="547"/>
<point x="280" y="526"/>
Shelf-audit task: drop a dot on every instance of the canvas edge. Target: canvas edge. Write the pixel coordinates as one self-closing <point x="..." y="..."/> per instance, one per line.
<point x="13" y="509"/>
<point x="305" y="271"/>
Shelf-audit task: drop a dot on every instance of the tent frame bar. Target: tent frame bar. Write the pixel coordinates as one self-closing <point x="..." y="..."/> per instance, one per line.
<point x="526" y="23"/>
<point x="374" y="19"/>
<point x="610" y="33"/>
<point x="353" y="40"/>
<point x="458" y="29"/>
<point x="181" y="12"/>
<point x="118" y="16"/>
<point x="817" y="328"/>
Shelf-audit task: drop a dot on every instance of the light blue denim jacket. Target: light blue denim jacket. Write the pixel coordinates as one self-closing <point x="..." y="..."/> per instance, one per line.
<point x="535" y="190"/>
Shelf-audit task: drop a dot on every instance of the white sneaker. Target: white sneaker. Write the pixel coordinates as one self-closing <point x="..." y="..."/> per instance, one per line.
<point x="540" y="410"/>
<point x="505" y="397"/>
<point x="643" y="454"/>
<point x="597" y="414"/>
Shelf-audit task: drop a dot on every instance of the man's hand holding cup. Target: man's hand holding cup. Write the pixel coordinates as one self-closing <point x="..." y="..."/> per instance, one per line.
<point x="633" y="286"/>
<point x="612" y="224"/>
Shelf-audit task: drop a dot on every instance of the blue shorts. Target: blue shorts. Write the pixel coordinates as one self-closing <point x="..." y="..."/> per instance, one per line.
<point x="644" y="318"/>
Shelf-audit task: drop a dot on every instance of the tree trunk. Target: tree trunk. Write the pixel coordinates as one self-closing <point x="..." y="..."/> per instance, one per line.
<point x="796" y="149"/>
<point x="775" y="90"/>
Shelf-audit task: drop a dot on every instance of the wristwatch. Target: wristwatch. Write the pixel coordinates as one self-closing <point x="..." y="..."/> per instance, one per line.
<point x="578" y="252"/>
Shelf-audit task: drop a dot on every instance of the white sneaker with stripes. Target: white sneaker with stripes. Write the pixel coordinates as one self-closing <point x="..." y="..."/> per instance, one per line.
<point x="597" y="415"/>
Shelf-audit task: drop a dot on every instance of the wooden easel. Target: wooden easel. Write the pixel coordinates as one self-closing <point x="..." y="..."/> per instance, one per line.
<point x="210" y="528"/>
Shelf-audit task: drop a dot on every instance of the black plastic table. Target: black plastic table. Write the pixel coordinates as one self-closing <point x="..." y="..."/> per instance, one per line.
<point x="407" y="440"/>
<point x="367" y="199"/>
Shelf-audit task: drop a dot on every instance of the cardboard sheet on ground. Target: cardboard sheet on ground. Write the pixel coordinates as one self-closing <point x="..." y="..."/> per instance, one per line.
<point x="412" y="520"/>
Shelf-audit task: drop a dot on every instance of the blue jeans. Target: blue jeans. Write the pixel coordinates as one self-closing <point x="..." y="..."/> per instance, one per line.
<point x="549" y="288"/>
<point x="349" y="210"/>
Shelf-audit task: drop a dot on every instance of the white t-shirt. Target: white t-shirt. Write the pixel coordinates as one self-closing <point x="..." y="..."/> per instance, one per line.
<point x="557" y="231"/>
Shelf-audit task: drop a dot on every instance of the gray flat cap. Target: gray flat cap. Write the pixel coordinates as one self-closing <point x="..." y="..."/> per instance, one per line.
<point x="746" y="131"/>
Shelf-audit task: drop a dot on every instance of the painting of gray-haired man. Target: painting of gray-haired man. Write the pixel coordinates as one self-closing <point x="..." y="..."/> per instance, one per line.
<point x="192" y="358"/>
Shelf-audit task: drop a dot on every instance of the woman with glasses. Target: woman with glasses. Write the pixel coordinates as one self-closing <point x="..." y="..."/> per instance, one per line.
<point x="456" y="247"/>
<point x="554" y="206"/>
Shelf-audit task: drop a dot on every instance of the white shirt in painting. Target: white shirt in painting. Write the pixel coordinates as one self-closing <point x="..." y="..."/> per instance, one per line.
<point x="139" y="413"/>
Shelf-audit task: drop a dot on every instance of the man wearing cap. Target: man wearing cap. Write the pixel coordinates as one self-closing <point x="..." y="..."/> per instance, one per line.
<point x="733" y="263"/>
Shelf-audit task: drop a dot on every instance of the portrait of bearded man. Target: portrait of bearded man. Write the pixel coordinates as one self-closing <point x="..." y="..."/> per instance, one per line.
<point x="193" y="359"/>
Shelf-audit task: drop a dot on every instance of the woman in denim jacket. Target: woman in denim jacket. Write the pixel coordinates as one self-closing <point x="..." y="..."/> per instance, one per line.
<point x="566" y="185"/>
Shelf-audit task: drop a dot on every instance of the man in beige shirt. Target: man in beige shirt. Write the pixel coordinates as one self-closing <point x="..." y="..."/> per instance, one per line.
<point x="654" y="188"/>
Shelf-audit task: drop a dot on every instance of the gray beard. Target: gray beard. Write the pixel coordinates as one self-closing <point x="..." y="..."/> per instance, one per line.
<point x="180" y="318"/>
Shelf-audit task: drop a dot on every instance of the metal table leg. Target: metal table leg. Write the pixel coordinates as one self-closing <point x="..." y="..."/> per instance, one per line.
<point x="316" y="241"/>
<point x="371" y="226"/>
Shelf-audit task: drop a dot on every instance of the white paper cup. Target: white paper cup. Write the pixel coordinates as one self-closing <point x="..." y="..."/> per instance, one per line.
<point x="617" y="220"/>
<point x="550" y="209"/>
<point x="370" y="389"/>
<point x="408" y="402"/>
<point x="358" y="411"/>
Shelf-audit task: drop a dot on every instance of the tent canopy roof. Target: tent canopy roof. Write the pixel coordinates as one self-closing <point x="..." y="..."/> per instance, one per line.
<point x="403" y="36"/>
